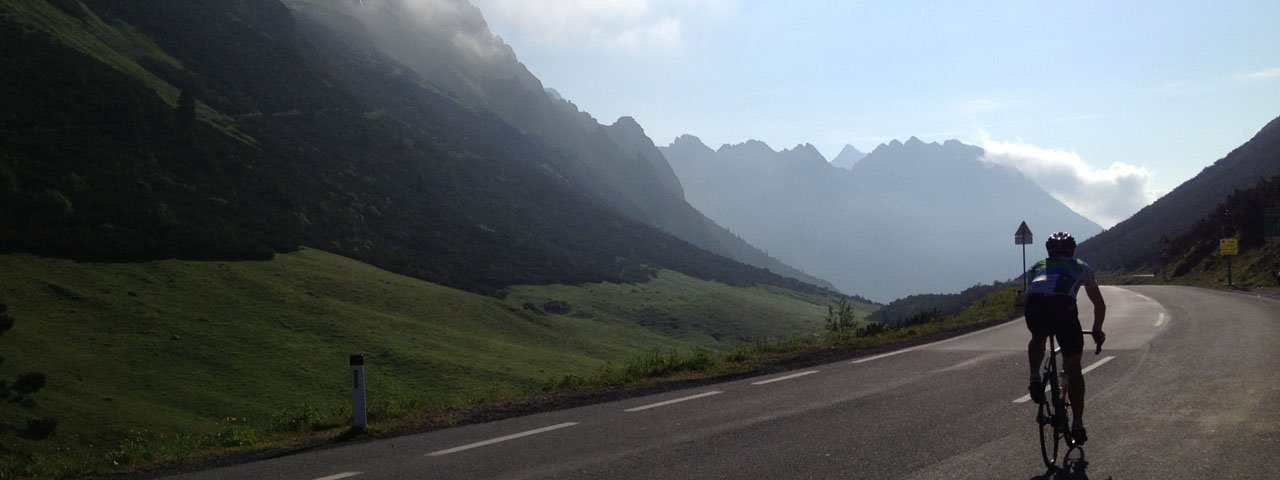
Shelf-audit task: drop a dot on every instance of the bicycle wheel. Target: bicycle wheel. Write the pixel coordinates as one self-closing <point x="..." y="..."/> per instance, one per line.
<point x="1048" y="434"/>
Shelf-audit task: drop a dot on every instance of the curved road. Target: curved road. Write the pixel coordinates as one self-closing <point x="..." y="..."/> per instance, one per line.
<point x="1183" y="389"/>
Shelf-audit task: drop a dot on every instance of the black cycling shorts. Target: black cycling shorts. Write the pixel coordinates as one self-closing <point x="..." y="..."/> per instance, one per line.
<point x="1056" y="315"/>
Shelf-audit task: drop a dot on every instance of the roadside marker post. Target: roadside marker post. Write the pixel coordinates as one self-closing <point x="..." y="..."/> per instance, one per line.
<point x="361" y="421"/>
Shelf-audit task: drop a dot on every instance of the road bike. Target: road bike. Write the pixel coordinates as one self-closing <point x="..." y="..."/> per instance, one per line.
<point x="1052" y="416"/>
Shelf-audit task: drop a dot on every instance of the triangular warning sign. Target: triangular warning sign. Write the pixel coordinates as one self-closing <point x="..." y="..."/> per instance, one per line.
<point x="1023" y="235"/>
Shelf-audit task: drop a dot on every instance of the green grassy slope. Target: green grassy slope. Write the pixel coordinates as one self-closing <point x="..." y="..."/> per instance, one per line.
<point x="140" y="354"/>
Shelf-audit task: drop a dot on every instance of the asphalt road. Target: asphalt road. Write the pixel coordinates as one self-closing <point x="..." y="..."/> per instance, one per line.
<point x="1182" y="389"/>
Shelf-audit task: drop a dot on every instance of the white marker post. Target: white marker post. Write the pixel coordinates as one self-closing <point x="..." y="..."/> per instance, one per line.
<point x="357" y="393"/>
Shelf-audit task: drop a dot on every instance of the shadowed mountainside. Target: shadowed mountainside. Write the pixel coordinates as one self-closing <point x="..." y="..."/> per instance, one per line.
<point x="140" y="136"/>
<point x="1134" y="244"/>
<point x="449" y="45"/>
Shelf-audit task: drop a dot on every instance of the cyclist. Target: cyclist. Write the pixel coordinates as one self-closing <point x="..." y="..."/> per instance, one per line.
<point x="1051" y="310"/>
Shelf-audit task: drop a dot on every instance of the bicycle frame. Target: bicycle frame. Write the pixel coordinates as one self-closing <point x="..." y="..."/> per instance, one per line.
<point x="1052" y="416"/>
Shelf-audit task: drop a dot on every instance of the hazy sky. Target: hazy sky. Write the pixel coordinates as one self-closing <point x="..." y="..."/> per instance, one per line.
<point x="1106" y="103"/>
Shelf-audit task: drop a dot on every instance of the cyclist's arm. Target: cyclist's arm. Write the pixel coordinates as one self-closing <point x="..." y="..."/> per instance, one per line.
<point x="1099" y="311"/>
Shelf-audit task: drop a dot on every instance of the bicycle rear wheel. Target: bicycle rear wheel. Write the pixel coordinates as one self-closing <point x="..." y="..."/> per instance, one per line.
<point x="1048" y="434"/>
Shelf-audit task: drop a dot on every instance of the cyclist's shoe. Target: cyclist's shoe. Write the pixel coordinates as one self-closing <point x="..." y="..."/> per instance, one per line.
<point x="1036" y="389"/>
<point x="1078" y="434"/>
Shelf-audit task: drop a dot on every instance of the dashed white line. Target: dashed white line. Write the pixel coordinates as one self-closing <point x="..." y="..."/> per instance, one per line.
<point x="1160" y="320"/>
<point x="339" y="476"/>
<point x="678" y="400"/>
<point x="1027" y="398"/>
<point x="788" y="377"/>
<point x="1096" y="364"/>
<point x="502" y="439"/>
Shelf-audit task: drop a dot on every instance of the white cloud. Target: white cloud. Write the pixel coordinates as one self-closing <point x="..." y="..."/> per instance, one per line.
<point x="1104" y="196"/>
<point x="617" y="25"/>
<point x="1267" y="74"/>
<point x="460" y="22"/>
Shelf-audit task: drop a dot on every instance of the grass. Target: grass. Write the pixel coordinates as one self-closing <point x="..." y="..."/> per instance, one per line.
<point x="673" y="365"/>
<point x="155" y="362"/>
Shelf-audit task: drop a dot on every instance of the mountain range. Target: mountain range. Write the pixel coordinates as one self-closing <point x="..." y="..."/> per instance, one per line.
<point x="910" y="217"/>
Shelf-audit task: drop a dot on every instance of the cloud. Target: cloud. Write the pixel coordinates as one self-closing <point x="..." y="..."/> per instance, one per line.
<point x="1266" y="74"/>
<point x="616" y="25"/>
<point x="457" y="21"/>
<point x="1104" y="196"/>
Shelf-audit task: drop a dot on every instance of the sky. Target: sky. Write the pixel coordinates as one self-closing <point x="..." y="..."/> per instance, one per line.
<point x="1106" y="104"/>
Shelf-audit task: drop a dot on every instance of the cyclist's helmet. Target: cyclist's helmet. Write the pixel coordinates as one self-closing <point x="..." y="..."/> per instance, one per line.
<point x="1061" y="244"/>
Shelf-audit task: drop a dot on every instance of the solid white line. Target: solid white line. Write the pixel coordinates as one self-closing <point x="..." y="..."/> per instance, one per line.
<point x="340" y="475"/>
<point x="1144" y="297"/>
<point x="1027" y="398"/>
<point x="918" y="347"/>
<point x="788" y="377"/>
<point x="678" y="400"/>
<point x="502" y="439"/>
<point x="882" y="355"/>
<point x="1160" y="320"/>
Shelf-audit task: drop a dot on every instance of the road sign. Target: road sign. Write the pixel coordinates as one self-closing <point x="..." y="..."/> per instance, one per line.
<point x="1228" y="246"/>
<point x="1023" y="235"/>
<point x="1271" y="224"/>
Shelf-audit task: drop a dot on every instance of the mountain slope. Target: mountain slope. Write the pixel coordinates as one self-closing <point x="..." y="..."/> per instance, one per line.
<point x="1135" y="242"/>
<point x="296" y="135"/>
<point x="449" y="45"/>
<point x="1193" y="256"/>
<point x="908" y="218"/>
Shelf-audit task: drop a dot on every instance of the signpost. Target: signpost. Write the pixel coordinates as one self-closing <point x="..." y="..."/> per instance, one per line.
<point x="1023" y="237"/>
<point x="1229" y="247"/>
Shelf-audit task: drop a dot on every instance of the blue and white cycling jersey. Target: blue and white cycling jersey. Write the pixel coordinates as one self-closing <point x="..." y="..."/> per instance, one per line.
<point x="1059" y="276"/>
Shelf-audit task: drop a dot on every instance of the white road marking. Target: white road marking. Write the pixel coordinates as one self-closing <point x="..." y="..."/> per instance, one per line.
<point x="964" y="364"/>
<point x="502" y="439"/>
<point x="339" y="476"/>
<point x="918" y="347"/>
<point x="1027" y="398"/>
<point x="1160" y="320"/>
<point x="788" y="377"/>
<point x="1096" y="364"/>
<point x="877" y="357"/>
<point x="1144" y="297"/>
<point x="678" y="400"/>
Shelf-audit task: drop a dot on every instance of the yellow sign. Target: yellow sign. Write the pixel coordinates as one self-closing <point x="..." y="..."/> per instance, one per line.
<point x="1228" y="246"/>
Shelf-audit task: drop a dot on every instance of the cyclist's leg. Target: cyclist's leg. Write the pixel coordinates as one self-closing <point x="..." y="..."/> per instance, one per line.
<point x="1038" y="324"/>
<point x="1071" y="338"/>
<point x="1075" y="389"/>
